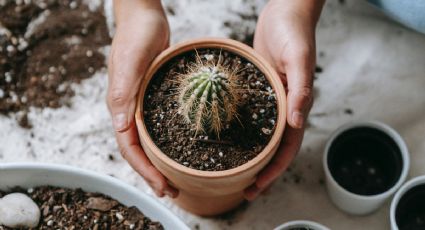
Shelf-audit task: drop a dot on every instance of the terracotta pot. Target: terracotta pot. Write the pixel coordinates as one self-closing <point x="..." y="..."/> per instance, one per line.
<point x="211" y="192"/>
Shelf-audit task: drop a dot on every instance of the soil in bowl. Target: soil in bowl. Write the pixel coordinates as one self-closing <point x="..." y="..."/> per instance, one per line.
<point x="240" y="141"/>
<point x="75" y="209"/>
<point x="365" y="161"/>
<point x="410" y="211"/>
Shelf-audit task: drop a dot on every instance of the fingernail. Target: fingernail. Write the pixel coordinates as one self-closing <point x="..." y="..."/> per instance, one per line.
<point x="120" y="121"/>
<point x="298" y="119"/>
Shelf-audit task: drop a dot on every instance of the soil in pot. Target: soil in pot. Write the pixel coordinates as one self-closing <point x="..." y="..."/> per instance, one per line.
<point x="410" y="211"/>
<point x="238" y="141"/>
<point x="45" y="46"/>
<point x="75" y="209"/>
<point x="365" y="161"/>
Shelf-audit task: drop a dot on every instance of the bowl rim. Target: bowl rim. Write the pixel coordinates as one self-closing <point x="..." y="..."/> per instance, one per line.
<point x="301" y="223"/>
<point x="419" y="180"/>
<point x="240" y="49"/>
<point x="392" y="133"/>
<point x="92" y="175"/>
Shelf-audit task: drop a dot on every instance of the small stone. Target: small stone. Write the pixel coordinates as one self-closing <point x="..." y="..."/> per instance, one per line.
<point x="262" y="110"/>
<point x="185" y="163"/>
<point x="10" y="48"/>
<point x="254" y="116"/>
<point x="119" y="216"/>
<point x="89" y="53"/>
<point x="266" y="131"/>
<point x="73" y="5"/>
<point x="220" y="154"/>
<point x="204" y="157"/>
<point x="30" y="190"/>
<point x="18" y="210"/>
<point x="101" y="204"/>
<point x="50" y="223"/>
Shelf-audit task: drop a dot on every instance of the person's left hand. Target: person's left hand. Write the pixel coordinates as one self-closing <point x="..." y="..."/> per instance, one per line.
<point x="285" y="36"/>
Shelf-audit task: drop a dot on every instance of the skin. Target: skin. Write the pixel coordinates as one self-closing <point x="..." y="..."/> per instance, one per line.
<point x="285" y="36"/>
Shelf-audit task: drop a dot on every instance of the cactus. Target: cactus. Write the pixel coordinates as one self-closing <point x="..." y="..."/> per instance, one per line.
<point x="208" y="97"/>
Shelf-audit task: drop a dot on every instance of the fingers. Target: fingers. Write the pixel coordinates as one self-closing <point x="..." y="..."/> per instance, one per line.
<point x="285" y="154"/>
<point x="124" y="77"/>
<point x="132" y="51"/>
<point x="299" y="73"/>
<point x="134" y="154"/>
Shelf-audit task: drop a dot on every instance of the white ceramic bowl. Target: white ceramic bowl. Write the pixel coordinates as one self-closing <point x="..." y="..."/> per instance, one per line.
<point x="300" y="224"/>
<point x="28" y="175"/>
<point x="362" y="204"/>
<point x="405" y="188"/>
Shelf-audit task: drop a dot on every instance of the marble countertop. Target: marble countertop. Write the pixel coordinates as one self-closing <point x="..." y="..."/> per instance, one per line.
<point x="373" y="69"/>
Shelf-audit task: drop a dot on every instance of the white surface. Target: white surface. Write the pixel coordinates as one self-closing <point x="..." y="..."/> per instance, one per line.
<point x="301" y="224"/>
<point x="406" y="187"/>
<point x="30" y="175"/>
<point x="370" y="64"/>
<point x="18" y="210"/>
<point x="354" y="203"/>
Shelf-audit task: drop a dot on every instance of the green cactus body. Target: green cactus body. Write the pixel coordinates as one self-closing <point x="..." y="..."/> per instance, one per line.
<point x="208" y="98"/>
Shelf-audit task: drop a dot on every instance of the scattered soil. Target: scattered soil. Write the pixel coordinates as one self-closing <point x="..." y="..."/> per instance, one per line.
<point x="45" y="46"/>
<point x="237" y="144"/>
<point x="348" y="111"/>
<point x="75" y="209"/>
<point x="318" y="69"/>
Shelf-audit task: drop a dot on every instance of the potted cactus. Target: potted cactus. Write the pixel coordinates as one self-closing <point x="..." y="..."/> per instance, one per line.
<point x="210" y="116"/>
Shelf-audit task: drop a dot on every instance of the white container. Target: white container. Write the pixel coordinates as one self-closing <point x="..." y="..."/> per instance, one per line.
<point x="363" y="204"/>
<point x="28" y="175"/>
<point x="301" y="224"/>
<point x="405" y="188"/>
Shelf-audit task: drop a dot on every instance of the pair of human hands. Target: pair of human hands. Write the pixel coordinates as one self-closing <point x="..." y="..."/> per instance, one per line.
<point x="285" y="36"/>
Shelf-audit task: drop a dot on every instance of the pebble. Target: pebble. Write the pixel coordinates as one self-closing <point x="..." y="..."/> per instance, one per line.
<point x="101" y="204"/>
<point x="50" y="223"/>
<point x="119" y="216"/>
<point x="220" y="154"/>
<point x="266" y="131"/>
<point x="89" y="53"/>
<point x="254" y="116"/>
<point x="18" y="210"/>
<point x="10" y="48"/>
<point x="73" y="5"/>
<point x="262" y="110"/>
<point x="204" y="157"/>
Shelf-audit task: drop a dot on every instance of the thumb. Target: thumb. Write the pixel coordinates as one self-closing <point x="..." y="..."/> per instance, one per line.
<point x="125" y="74"/>
<point x="299" y="73"/>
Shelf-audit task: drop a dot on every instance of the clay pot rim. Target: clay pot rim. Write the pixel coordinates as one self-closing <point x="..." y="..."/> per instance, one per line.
<point x="234" y="47"/>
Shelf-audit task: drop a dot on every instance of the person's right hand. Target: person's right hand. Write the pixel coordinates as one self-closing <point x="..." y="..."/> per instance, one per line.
<point x="142" y="32"/>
